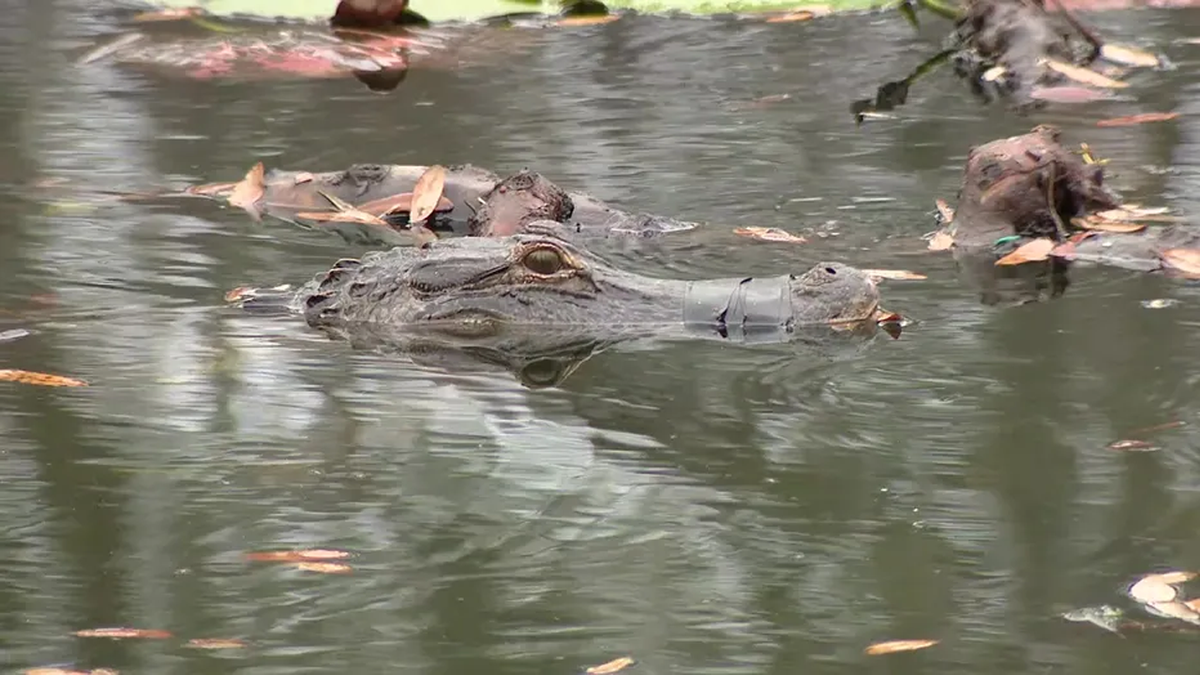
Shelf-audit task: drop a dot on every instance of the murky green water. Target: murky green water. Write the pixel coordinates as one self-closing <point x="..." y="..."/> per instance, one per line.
<point x="702" y="507"/>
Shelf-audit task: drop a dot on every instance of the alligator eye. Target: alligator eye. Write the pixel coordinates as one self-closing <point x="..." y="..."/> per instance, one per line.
<point x="545" y="261"/>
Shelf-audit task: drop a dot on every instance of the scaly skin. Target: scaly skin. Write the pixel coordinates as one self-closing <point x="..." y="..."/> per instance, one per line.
<point x="480" y="288"/>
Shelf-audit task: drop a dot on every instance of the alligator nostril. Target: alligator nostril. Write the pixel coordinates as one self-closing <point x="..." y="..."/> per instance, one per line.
<point x="830" y="270"/>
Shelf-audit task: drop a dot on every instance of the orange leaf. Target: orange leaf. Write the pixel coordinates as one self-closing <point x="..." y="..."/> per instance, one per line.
<point x="251" y="189"/>
<point x="587" y="20"/>
<point x="212" y="189"/>
<point x="1193" y="604"/>
<point x="1130" y="120"/>
<point x="1186" y="260"/>
<point x="898" y="646"/>
<point x="324" y="567"/>
<point x="614" y="666"/>
<point x="169" y="14"/>
<point x="1132" y="444"/>
<point x="427" y="193"/>
<point x="944" y="210"/>
<point x="941" y="241"/>
<point x="55" y="671"/>
<point x="769" y="234"/>
<point x="1128" y="56"/>
<point x="123" y="633"/>
<point x="1158" y="588"/>
<point x="401" y="203"/>
<point x="1033" y="251"/>
<point x="352" y="216"/>
<point x="803" y="15"/>
<point x="40" y="379"/>
<point x="896" y="275"/>
<point x="1084" y="75"/>
<point x="1102" y="225"/>
<point x="1176" y="610"/>
<point x="215" y="643"/>
<point x="306" y="555"/>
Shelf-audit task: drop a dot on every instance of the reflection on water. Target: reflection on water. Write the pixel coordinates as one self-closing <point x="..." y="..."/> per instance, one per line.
<point x="699" y="505"/>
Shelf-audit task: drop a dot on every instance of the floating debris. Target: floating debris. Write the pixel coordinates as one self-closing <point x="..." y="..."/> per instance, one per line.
<point x="124" y="633"/>
<point x="770" y="234"/>
<point x="614" y="666"/>
<point x="893" y="646"/>
<point x="40" y="379"/>
<point x="215" y="643"/>
<point x="1033" y="251"/>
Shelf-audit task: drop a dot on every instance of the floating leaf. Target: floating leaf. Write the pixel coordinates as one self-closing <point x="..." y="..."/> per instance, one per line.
<point x="211" y="189"/>
<point x="323" y="567"/>
<point x="40" y="379"/>
<point x="941" y="241"/>
<point x="345" y="213"/>
<point x="427" y="193"/>
<point x="169" y="14"/>
<point x="302" y="177"/>
<point x="571" y="21"/>
<point x="1159" y="588"/>
<point x="56" y="671"/>
<point x="1067" y="94"/>
<point x="1033" y="251"/>
<point x="770" y="234"/>
<point x="803" y="15"/>
<point x="246" y="193"/>
<point x="893" y="646"/>
<point x="1175" y="610"/>
<point x="1184" y="260"/>
<point x="401" y="203"/>
<point x="305" y="555"/>
<point x="1160" y="427"/>
<point x="110" y="48"/>
<point x="1084" y="75"/>
<point x="124" y="633"/>
<point x="1134" y="212"/>
<point x="1143" y="118"/>
<point x="994" y="73"/>
<point x="614" y="666"/>
<point x="896" y="275"/>
<point x="1159" y="303"/>
<point x="1098" y="224"/>
<point x="1128" y="56"/>
<point x="14" y="334"/>
<point x="215" y="643"/>
<point x="1133" y="445"/>
<point x="945" y="211"/>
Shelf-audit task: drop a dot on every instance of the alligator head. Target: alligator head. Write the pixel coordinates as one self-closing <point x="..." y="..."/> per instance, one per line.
<point x="535" y="288"/>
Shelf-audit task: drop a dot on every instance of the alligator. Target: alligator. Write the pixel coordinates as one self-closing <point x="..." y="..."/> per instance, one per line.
<point x="1022" y="188"/>
<point x="535" y="294"/>
<point x="476" y="202"/>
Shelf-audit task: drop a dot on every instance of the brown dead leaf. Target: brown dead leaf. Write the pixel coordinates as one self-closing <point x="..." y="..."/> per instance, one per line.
<point x="941" y="241"/>
<point x="1084" y="75"/>
<point x="1184" y="260"/>
<point x="169" y="14"/>
<point x="110" y="48"/>
<point x="345" y="213"/>
<point x="1193" y="604"/>
<point x="1032" y="251"/>
<point x="1176" y="577"/>
<point x="944" y="210"/>
<point x="571" y="21"/>
<point x="1159" y="588"/>
<point x="1094" y="222"/>
<point x="302" y="178"/>
<point x="896" y="275"/>
<point x="124" y="633"/>
<point x="1133" y="444"/>
<point x="324" y="567"/>
<point x="1143" y="118"/>
<point x="614" y="666"/>
<point x="211" y="189"/>
<point x="427" y="193"/>
<point x="1176" y="610"/>
<point x="1128" y="212"/>
<point x="803" y="15"/>
<point x="304" y="555"/>
<point x="769" y="234"/>
<point x="250" y="190"/>
<point x="401" y="203"/>
<point x="40" y="379"/>
<point x="893" y="646"/>
<point x="56" y="671"/>
<point x="1128" y="56"/>
<point x="215" y="643"/>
